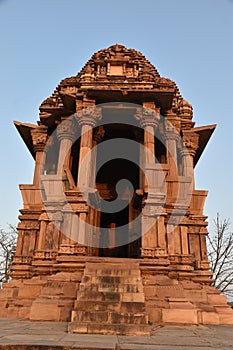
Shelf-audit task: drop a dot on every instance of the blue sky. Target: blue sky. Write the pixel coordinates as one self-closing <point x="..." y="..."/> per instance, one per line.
<point x="188" y="41"/>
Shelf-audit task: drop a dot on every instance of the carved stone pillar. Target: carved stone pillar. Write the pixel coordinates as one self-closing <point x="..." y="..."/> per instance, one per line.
<point x="153" y="228"/>
<point x="65" y="134"/>
<point x="172" y="128"/>
<point x="87" y="119"/>
<point x="190" y="140"/>
<point x="139" y="139"/>
<point x="97" y="137"/>
<point x="149" y="119"/>
<point x="39" y="139"/>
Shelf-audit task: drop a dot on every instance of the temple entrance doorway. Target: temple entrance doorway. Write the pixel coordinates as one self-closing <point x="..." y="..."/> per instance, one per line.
<point x="117" y="181"/>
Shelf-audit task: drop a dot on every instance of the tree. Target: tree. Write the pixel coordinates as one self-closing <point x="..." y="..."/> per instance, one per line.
<point x="7" y="250"/>
<point x="220" y="244"/>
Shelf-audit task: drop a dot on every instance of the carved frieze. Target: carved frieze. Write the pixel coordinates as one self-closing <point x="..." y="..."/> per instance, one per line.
<point x="186" y="259"/>
<point x="45" y="254"/>
<point x="148" y="252"/>
<point x="19" y="259"/>
<point x="72" y="249"/>
<point x="79" y="207"/>
<point x="27" y="225"/>
<point x="152" y="210"/>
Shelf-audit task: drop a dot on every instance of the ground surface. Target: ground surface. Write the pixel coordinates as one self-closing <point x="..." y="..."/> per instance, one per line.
<point x="26" y="335"/>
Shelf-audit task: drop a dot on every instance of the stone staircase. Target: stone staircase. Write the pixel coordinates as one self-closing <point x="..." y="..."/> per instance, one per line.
<point x="110" y="300"/>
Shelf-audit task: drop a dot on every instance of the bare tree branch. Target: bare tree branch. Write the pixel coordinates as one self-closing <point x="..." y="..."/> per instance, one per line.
<point x="220" y="251"/>
<point x="7" y="250"/>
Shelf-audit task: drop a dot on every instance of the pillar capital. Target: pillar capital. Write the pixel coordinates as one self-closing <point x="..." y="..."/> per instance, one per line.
<point x="39" y="138"/>
<point x="148" y="116"/>
<point x="88" y="116"/>
<point x="66" y="129"/>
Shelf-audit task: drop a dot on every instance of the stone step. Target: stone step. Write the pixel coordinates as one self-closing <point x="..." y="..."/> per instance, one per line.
<point x="110" y="296"/>
<point x="97" y="306"/>
<point x="128" y="265"/>
<point x="109" y="306"/>
<point x="111" y="279"/>
<point x="110" y="300"/>
<point x="98" y="296"/>
<point x="103" y="328"/>
<point x="111" y="317"/>
<point x="131" y="306"/>
<point x="107" y="287"/>
<point x="122" y="288"/>
<point x="113" y="272"/>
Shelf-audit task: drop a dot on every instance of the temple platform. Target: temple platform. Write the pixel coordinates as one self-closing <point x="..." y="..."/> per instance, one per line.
<point x="19" y="334"/>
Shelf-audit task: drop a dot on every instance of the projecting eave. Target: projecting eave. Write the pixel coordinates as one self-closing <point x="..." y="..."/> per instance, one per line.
<point x="204" y="133"/>
<point x="24" y="130"/>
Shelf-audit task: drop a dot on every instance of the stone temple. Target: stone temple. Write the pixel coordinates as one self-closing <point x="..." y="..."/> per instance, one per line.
<point x="112" y="233"/>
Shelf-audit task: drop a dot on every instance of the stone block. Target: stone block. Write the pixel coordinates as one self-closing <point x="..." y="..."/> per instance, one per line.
<point x="61" y="276"/>
<point x="76" y="327"/>
<point x="42" y="311"/>
<point x="189" y="285"/>
<point x="133" y="297"/>
<point x="24" y="312"/>
<point x="132" y="306"/>
<point x="29" y="291"/>
<point x="179" y="316"/>
<point x="3" y="308"/>
<point x="126" y="288"/>
<point x="93" y="305"/>
<point x="98" y="296"/>
<point x="196" y="296"/>
<point x="205" y="317"/>
<point x="226" y="318"/>
<point x="68" y="289"/>
<point x="13" y="312"/>
<point x="149" y="291"/>
<point x="128" y="318"/>
<point x="216" y="299"/>
<point x="155" y="314"/>
<point x="183" y="304"/>
<point x="89" y="316"/>
<point x="164" y="292"/>
<point x="119" y="329"/>
<point x="7" y="293"/>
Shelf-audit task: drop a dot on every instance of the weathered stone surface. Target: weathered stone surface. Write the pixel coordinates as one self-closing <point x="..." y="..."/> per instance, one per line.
<point x="106" y="298"/>
<point x="179" y="316"/>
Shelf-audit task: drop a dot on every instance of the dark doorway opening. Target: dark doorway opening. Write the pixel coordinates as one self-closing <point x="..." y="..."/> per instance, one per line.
<point x="117" y="180"/>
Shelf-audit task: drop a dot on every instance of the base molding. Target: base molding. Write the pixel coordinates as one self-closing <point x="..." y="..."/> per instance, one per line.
<point x="169" y="298"/>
